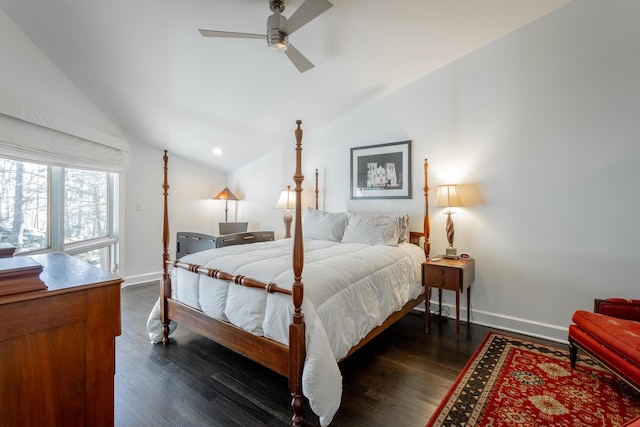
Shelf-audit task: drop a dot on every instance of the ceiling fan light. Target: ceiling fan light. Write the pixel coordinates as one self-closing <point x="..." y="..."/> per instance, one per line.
<point x="278" y="47"/>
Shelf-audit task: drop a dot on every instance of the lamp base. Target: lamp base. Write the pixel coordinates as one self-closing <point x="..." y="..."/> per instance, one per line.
<point x="287" y="219"/>
<point x="451" y="253"/>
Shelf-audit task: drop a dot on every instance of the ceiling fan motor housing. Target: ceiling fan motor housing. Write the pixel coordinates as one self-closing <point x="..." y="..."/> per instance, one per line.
<point x="276" y="39"/>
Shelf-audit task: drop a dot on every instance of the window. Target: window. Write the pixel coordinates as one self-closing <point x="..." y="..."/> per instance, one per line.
<point x="85" y="205"/>
<point x="24" y="205"/>
<point x="51" y="208"/>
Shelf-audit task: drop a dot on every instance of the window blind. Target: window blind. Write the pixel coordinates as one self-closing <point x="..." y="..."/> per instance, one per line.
<point x="26" y="141"/>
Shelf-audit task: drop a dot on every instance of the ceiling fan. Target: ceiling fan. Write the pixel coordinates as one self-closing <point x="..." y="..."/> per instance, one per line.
<point x="280" y="28"/>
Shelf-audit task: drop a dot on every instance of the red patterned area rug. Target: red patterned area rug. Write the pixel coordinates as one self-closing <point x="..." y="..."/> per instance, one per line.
<point x="514" y="382"/>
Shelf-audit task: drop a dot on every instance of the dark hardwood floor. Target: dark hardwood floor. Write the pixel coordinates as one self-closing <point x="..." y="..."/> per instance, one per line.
<point x="398" y="379"/>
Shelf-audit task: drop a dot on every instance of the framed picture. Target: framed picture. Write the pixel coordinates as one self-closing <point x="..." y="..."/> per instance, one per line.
<point x="381" y="171"/>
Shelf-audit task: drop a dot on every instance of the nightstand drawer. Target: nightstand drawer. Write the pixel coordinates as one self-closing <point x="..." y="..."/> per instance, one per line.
<point x="443" y="283"/>
<point x="441" y="272"/>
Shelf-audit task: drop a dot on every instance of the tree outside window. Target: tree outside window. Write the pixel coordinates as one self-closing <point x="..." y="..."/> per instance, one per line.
<point x="24" y="206"/>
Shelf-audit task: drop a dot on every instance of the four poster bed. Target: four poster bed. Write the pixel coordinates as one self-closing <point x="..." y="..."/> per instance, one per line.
<point x="347" y="299"/>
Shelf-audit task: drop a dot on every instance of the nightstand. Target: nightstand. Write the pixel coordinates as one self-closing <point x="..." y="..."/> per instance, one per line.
<point x="451" y="274"/>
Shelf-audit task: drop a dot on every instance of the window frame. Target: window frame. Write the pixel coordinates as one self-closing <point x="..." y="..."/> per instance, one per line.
<point x="110" y="240"/>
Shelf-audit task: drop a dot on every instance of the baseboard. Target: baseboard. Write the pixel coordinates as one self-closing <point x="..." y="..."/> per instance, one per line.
<point x="142" y="278"/>
<point x="518" y="325"/>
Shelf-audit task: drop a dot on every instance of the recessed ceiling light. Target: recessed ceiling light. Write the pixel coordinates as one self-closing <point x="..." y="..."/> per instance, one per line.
<point x="218" y="151"/>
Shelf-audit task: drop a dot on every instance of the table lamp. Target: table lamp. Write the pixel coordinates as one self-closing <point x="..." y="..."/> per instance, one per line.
<point x="287" y="201"/>
<point x="447" y="196"/>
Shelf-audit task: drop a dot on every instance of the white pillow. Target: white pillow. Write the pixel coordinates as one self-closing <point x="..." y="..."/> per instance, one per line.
<point x="371" y="229"/>
<point x="323" y="225"/>
<point x="403" y="226"/>
<point x="402" y="223"/>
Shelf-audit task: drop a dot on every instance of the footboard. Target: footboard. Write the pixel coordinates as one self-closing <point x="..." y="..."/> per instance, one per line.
<point x="268" y="353"/>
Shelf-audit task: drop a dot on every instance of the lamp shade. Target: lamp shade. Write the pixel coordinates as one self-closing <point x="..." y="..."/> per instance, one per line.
<point x="287" y="199"/>
<point x="226" y="194"/>
<point x="447" y="196"/>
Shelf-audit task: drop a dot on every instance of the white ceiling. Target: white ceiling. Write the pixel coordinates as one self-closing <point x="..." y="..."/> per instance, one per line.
<point x="144" y="64"/>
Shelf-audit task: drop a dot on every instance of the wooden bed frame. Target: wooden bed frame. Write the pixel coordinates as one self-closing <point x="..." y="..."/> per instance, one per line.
<point x="285" y="360"/>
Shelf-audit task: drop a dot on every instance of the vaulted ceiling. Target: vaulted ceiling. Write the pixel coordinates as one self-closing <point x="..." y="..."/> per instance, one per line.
<point x="144" y="64"/>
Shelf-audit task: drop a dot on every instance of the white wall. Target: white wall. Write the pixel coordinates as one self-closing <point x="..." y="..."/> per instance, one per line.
<point x="191" y="207"/>
<point x="543" y="123"/>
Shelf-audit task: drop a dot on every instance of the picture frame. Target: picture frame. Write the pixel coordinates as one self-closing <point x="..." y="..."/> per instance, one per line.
<point x="381" y="171"/>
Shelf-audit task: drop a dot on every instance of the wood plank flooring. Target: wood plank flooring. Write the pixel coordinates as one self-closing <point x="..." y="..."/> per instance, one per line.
<point x="396" y="380"/>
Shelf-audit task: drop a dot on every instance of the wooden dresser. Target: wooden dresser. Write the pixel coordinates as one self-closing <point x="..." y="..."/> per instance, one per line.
<point x="57" y="347"/>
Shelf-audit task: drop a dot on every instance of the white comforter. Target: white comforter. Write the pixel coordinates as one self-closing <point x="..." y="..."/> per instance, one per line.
<point x="349" y="289"/>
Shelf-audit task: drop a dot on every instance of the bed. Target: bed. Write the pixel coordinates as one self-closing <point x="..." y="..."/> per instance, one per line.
<point x="299" y="329"/>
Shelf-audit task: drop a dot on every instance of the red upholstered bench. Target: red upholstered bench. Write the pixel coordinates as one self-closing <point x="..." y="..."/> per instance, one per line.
<point x="611" y="335"/>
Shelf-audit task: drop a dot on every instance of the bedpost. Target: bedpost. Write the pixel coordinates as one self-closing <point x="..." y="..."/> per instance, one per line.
<point x="165" y="283"/>
<point x="297" y="348"/>
<point x="317" y="192"/>
<point x="427" y="227"/>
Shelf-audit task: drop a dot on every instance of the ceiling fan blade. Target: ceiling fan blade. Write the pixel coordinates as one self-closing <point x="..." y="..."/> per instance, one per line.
<point x="298" y="59"/>
<point x="307" y="11"/>
<point x="231" y="35"/>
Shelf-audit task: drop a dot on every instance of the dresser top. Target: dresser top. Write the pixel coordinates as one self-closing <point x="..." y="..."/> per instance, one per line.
<point x="62" y="273"/>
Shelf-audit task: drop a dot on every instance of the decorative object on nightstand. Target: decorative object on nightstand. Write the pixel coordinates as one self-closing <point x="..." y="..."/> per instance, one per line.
<point x="447" y="196"/>
<point x="226" y="195"/>
<point x="450" y="274"/>
<point x="287" y="201"/>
